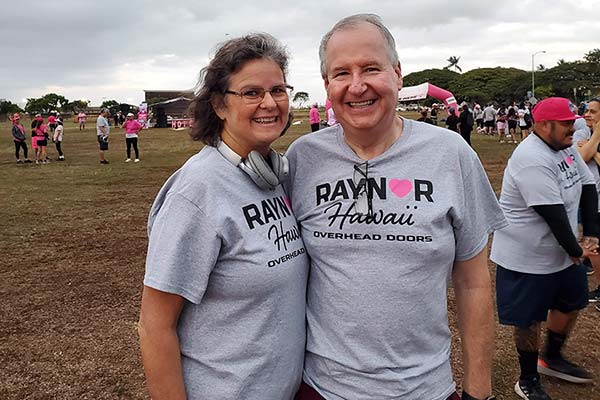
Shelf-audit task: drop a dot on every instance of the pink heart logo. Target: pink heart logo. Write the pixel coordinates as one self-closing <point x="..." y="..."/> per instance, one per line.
<point x="400" y="187"/>
<point x="569" y="160"/>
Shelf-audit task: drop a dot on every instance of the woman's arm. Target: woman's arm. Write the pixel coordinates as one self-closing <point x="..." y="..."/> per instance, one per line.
<point x="159" y="344"/>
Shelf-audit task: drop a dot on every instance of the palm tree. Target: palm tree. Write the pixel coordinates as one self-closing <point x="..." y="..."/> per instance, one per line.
<point x="453" y="63"/>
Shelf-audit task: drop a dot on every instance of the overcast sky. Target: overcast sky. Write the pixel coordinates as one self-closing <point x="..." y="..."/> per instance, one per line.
<point x="113" y="49"/>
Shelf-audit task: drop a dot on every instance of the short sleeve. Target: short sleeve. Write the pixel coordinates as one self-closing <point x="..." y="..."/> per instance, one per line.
<point x="586" y="175"/>
<point x="182" y="250"/>
<point x="538" y="184"/>
<point x="477" y="213"/>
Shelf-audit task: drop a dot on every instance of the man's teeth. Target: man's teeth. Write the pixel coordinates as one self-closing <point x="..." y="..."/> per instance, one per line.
<point x="265" y="120"/>
<point x="361" y="103"/>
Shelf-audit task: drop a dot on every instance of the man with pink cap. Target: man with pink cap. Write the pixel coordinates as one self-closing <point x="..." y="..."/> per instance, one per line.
<point x="539" y="275"/>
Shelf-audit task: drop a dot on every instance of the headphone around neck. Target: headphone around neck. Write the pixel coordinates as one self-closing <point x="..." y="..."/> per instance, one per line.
<point x="265" y="176"/>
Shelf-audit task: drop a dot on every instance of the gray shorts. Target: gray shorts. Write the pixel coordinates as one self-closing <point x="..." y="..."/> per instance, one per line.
<point x="103" y="142"/>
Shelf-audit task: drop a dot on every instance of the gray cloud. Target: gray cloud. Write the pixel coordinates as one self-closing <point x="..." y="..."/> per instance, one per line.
<point x="115" y="49"/>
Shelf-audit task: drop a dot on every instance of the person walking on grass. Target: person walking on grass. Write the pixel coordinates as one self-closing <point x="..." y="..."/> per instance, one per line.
<point x="19" y="138"/>
<point x="57" y="138"/>
<point x="102" y="131"/>
<point x="539" y="274"/>
<point x="41" y="137"/>
<point x="314" y="118"/>
<point x="588" y="141"/>
<point x="132" y="128"/>
<point x="81" y="119"/>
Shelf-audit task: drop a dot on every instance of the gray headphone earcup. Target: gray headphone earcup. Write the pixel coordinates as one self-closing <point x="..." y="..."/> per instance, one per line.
<point x="257" y="164"/>
<point x="280" y="165"/>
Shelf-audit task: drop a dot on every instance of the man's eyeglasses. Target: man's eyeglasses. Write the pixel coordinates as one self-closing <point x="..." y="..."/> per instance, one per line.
<point x="363" y="202"/>
<point x="257" y="94"/>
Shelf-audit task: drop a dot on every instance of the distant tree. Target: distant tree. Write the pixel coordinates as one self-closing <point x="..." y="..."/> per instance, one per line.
<point x="45" y="104"/>
<point x="453" y="63"/>
<point x="564" y="78"/>
<point x="484" y="85"/>
<point x="561" y="62"/>
<point x="7" y="107"/>
<point x="592" y="56"/>
<point x="301" y="98"/>
<point x="109" y="104"/>
<point x="79" y="105"/>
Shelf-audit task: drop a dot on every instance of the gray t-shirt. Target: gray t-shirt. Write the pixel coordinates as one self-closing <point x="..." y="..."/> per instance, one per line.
<point x="489" y="114"/>
<point x="101" y="121"/>
<point x="537" y="175"/>
<point x="377" y="295"/>
<point x="234" y="253"/>
<point x="584" y="133"/>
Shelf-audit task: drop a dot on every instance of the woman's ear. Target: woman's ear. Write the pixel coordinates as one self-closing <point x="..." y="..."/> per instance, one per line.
<point x="218" y="105"/>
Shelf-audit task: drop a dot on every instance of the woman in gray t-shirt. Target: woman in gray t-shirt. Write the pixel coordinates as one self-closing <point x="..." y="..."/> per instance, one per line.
<point x="223" y="307"/>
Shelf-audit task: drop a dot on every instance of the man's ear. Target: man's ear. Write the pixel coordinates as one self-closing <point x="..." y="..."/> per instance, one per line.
<point x="398" y="71"/>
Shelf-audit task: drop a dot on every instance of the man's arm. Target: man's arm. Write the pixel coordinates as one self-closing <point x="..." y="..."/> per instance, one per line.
<point x="473" y="289"/>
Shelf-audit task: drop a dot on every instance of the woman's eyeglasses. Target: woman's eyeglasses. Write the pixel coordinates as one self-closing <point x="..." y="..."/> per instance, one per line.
<point x="257" y="94"/>
<point x="363" y="202"/>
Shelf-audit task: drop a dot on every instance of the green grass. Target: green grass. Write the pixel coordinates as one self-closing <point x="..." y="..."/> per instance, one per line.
<point x="72" y="247"/>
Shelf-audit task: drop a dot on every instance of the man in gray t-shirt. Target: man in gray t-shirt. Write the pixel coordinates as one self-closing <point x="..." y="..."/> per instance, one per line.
<point x="102" y="131"/>
<point x="390" y="209"/>
<point x="539" y="276"/>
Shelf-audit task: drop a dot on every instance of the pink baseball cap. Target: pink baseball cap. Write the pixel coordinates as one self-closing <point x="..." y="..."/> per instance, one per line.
<point x="555" y="109"/>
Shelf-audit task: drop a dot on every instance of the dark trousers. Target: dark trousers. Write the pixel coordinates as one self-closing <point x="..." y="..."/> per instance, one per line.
<point x="58" y="148"/>
<point x="307" y="393"/>
<point x="466" y="134"/>
<point x="18" y="146"/>
<point x="132" y="142"/>
<point x="314" y="127"/>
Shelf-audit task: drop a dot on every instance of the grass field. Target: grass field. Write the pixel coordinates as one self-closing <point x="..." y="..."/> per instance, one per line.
<point x="72" y="249"/>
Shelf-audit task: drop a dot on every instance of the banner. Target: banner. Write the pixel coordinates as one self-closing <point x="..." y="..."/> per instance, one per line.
<point x="423" y="90"/>
<point x="143" y="115"/>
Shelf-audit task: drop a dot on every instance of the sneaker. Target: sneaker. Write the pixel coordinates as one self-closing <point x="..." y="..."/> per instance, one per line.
<point x="502" y="141"/>
<point x="46" y="161"/>
<point x="28" y="161"/>
<point x="104" y="162"/>
<point x="129" y="159"/>
<point x="37" y="162"/>
<point x="137" y="160"/>
<point x="563" y="369"/>
<point x="594" y="295"/>
<point x="19" y="161"/>
<point x="531" y="389"/>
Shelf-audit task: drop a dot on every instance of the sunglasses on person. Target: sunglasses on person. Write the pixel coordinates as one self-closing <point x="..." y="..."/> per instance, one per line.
<point x="363" y="202"/>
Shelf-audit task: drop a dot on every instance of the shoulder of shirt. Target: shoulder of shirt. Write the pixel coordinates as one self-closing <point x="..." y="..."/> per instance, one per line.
<point x="322" y="137"/>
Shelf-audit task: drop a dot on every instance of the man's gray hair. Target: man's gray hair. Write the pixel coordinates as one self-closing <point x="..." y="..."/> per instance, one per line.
<point x="105" y="110"/>
<point x="351" y="22"/>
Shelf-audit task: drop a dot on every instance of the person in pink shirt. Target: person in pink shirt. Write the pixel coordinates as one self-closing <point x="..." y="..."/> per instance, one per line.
<point x="52" y="121"/>
<point x="314" y="118"/>
<point x="132" y="127"/>
<point x="81" y="118"/>
<point x="41" y="136"/>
